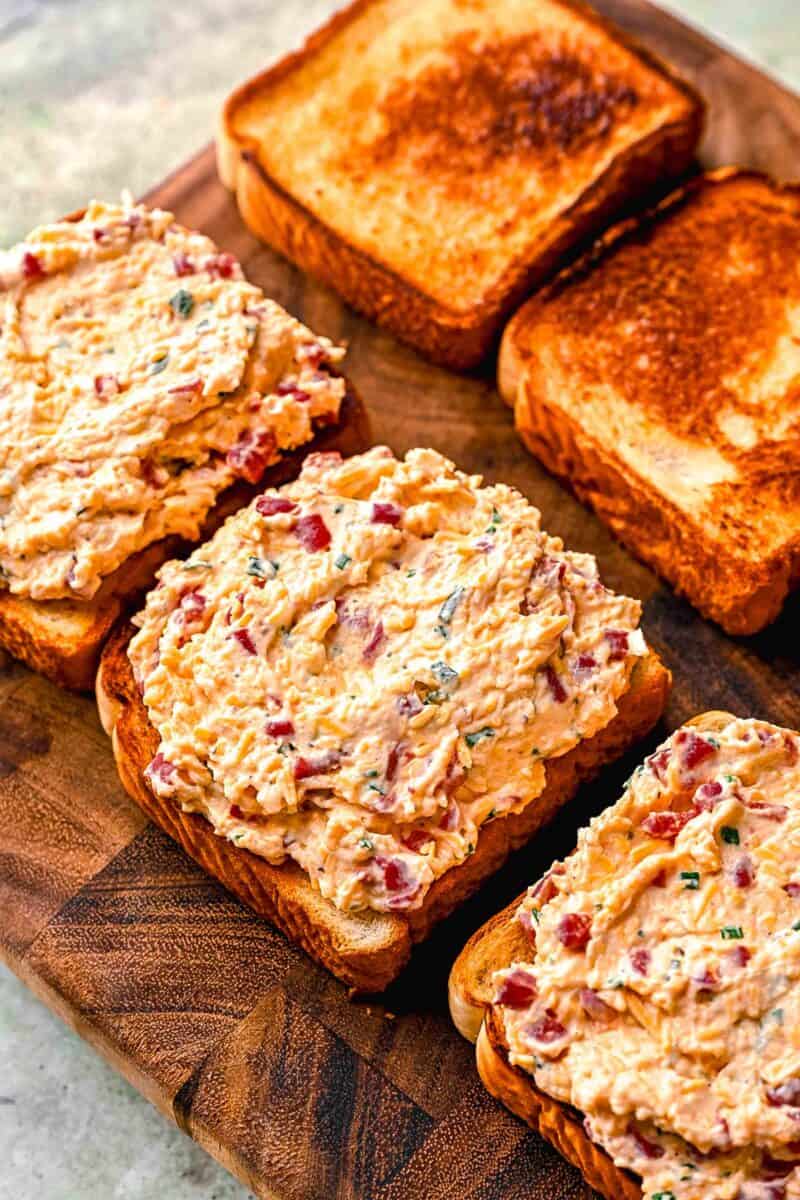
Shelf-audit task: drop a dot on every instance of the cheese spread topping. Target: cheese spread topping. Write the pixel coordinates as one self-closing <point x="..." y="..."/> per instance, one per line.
<point x="663" y="999"/>
<point x="140" y="375"/>
<point x="362" y="668"/>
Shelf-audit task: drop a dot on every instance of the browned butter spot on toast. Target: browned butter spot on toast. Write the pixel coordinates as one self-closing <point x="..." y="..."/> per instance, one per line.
<point x="523" y="97"/>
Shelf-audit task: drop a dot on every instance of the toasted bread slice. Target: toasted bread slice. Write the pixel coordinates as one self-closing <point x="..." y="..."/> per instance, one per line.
<point x="434" y="162"/>
<point x="366" y="949"/>
<point x="658" y="377"/>
<point x="62" y="639"/>
<point x="495" y="945"/>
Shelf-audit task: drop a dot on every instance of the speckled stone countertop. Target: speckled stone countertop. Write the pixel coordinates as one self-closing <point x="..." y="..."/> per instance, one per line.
<point x="97" y="95"/>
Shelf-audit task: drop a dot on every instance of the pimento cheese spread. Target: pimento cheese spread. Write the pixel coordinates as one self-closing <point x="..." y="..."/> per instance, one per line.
<point x="663" y="999"/>
<point x="362" y="668"/>
<point x="140" y="375"/>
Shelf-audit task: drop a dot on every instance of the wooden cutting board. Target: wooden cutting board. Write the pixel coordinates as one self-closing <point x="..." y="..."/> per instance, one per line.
<point x="230" y="1031"/>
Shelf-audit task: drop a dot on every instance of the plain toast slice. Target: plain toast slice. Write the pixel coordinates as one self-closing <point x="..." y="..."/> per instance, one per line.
<point x="62" y="639"/>
<point x="366" y="950"/>
<point x="659" y="378"/>
<point x="498" y="943"/>
<point x="435" y="162"/>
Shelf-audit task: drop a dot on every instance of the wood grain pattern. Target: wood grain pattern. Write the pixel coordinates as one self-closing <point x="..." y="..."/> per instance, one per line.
<point x="231" y="1031"/>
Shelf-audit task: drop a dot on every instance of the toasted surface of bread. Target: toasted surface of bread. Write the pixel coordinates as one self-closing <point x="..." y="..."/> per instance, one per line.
<point x="495" y="945"/>
<point x="62" y="639"/>
<point x="658" y="377"/>
<point x="433" y="162"/>
<point x="364" y="949"/>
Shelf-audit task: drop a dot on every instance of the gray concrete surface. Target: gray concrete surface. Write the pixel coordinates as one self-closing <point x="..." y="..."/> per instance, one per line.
<point x="96" y="96"/>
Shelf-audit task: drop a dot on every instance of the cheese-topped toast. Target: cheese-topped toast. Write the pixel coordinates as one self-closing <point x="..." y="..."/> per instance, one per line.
<point x="145" y="388"/>
<point x="419" y="678"/>
<point x="637" y="1005"/>
<point x="659" y="377"/>
<point x="433" y="162"/>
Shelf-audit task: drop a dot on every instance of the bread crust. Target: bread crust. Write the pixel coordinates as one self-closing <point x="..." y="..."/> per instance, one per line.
<point x="498" y="943"/>
<point x="741" y="594"/>
<point x="456" y="339"/>
<point x="365" y="950"/>
<point x="62" y="639"/>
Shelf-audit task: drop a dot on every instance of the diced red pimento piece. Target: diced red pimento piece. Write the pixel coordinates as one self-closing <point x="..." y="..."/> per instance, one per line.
<point x="792" y="889"/>
<point x="182" y="264"/>
<point x="106" y="386"/>
<point x="450" y="818"/>
<point x="236" y="812"/>
<point x="693" y="748"/>
<point x="640" y="960"/>
<point x="269" y="506"/>
<point x="416" y="839"/>
<point x="707" y="980"/>
<point x="545" y="889"/>
<point x="770" y="812"/>
<point x="617" y="644"/>
<point x="386" y="513"/>
<point x="659" y="762"/>
<point x="280" y="727"/>
<point x="32" y="267"/>
<point x="161" y="769"/>
<point x="574" y="930"/>
<point x="783" y="1094"/>
<point x="707" y="795"/>
<point x="99" y="234"/>
<point x="292" y="390"/>
<point x="397" y="880"/>
<point x="645" y="1145"/>
<point x="312" y="532"/>
<point x="546" y="1030"/>
<point x="744" y="873"/>
<point x="222" y="264"/>
<point x="394" y="758"/>
<point x="585" y="663"/>
<point x="594" y="1006"/>
<point x="375" y="644"/>
<point x="518" y="989"/>
<point x="667" y="825"/>
<point x="555" y="685"/>
<point x="659" y="880"/>
<point x="190" y="388"/>
<point x="409" y="704"/>
<point x="311" y="353"/>
<point x="193" y="603"/>
<point x="243" y="637"/>
<point x="738" y="956"/>
<point x="321" y="764"/>
<point x="252" y="453"/>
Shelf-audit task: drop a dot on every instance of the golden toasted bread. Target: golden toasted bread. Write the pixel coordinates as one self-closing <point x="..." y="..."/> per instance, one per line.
<point x="364" y="949"/>
<point x="658" y="377"/>
<point x="62" y="639"/>
<point x="497" y="944"/>
<point x="435" y="162"/>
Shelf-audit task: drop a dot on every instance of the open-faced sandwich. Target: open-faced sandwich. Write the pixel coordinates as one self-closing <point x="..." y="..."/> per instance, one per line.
<point x="640" y="1006"/>
<point x="145" y="388"/>
<point x="371" y="684"/>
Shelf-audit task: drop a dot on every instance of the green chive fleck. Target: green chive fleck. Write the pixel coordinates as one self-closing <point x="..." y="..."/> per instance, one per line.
<point x="536" y="914"/>
<point x="472" y="739"/>
<point x="730" y="835"/>
<point x="731" y="933"/>
<point x="182" y="303"/>
<point x="342" y="561"/>
<point x="447" y="611"/>
<point x="260" y="569"/>
<point x="366" y="843"/>
<point x="692" y="880"/>
<point x="159" y="365"/>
